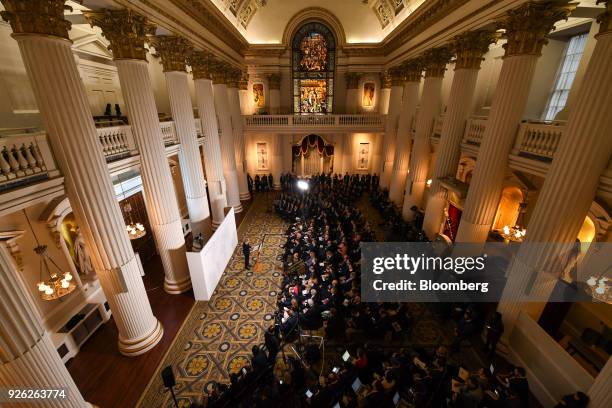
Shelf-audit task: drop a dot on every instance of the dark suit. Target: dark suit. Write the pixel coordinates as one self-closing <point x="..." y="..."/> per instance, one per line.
<point x="246" y="251"/>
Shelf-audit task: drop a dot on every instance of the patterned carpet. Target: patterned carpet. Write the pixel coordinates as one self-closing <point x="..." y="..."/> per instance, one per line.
<point x="217" y="335"/>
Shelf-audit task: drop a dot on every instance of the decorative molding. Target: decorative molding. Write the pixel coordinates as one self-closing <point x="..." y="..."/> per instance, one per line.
<point x="234" y="76"/>
<point x="314" y="14"/>
<point x="44" y="17"/>
<point x="243" y="82"/>
<point x="256" y="50"/>
<point x="605" y="19"/>
<point x="413" y="70"/>
<point x="352" y="79"/>
<point x="200" y="62"/>
<point x="470" y="48"/>
<point x="274" y="81"/>
<point x="385" y="79"/>
<point x="173" y="50"/>
<point x="125" y="30"/>
<point x="527" y="26"/>
<point x="219" y="72"/>
<point x="9" y="238"/>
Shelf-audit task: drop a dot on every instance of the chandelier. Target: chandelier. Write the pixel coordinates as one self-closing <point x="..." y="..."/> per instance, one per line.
<point x="58" y="283"/>
<point x="135" y="230"/>
<point x="52" y="285"/>
<point x="516" y="233"/>
<point x="598" y="287"/>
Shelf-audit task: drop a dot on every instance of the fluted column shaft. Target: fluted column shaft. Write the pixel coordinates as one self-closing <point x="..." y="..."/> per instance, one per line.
<point x="212" y="149"/>
<point x="507" y="110"/>
<point x="421" y="147"/>
<point x="277" y="164"/>
<point x="582" y="156"/>
<point x="227" y="146"/>
<point x="449" y="147"/>
<point x="347" y="153"/>
<point x="189" y="151"/>
<point x="410" y="101"/>
<point x="160" y="199"/>
<point x="600" y="392"/>
<point x="28" y="358"/>
<point x="395" y="103"/>
<point x="63" y="105"/>
<point x="237" y="126"/>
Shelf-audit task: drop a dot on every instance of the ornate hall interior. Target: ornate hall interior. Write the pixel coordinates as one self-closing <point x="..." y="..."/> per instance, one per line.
<point x="186" y="188"/>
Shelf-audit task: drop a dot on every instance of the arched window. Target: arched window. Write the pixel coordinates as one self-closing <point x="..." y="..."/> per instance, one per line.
<point x="313" y="62"/>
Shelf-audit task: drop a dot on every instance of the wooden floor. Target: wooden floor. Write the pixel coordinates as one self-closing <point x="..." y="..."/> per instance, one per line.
<point x="108" y="379"/>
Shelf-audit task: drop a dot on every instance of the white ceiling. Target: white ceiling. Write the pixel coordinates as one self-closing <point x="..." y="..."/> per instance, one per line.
<point x="358" y="18"/>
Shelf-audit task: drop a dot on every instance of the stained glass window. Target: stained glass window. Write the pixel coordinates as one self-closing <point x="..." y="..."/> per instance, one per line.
<point x="313" y="61"/>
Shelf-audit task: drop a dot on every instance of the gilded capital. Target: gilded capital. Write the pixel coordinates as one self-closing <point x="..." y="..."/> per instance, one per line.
<point x="527" y="26"/>
<point x="470" y="48"/>
<point x="125" y="30"/>
<point x="352" y="80"/>
<point x="274" y="81"/>
<point x="45" y="17"/>
<point x="413" y="70"/>
<point x="385" y="79"/>
<point x="397" y="75"/>
<point x="605" y="19"/>
<point x="233" y="77"/>
<point x="219" y="72"/>
<point x="200" y="62"/>
<point x="435" y="60"/>
<point x="243" y="84"/>
<point x="173" y="51"/>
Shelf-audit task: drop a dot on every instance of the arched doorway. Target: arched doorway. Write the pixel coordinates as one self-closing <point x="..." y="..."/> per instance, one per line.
<point x="509" y="208"/>
<point x="312" y="155"/>
<point x="313" y="64"/>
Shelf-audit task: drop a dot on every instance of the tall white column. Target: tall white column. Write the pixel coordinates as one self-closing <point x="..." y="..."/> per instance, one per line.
<point x="274" y="90"/>
<point x="470" y="48"/>
<point x="600" y="393"/>
<point x="62" y="101"/>
<point x="160" y="198"/>
<point x="435" y="61"/>
<point x="173" y="51"/>
<point x="28" y="358"/>
<point x="237" y="126"/>
<point x="410" y="101"/>
<point x="277" y="159"/>
<point x="385" y="93"/>
<point x="527" y="29"/>
<point x="347" y="153"/>
<point x="395" y="103"/>
<point x="222" y="107"/>
<point x="582" y="156"/>
<point x="352" y="91"/>
<point x="212" y="150"/>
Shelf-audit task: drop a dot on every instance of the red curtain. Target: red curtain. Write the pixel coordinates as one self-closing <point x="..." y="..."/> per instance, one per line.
<point x="452" y="223"/>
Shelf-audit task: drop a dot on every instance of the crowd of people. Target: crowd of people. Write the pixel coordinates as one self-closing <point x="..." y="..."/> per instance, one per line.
<point x="320" y="295"/>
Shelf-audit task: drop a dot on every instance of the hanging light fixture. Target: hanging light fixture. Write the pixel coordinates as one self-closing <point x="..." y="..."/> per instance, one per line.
<point x="517" y="232"/>
<point x="599" y="288"/>
<point x="52" y="285"/>
<point x="135" y="230"/>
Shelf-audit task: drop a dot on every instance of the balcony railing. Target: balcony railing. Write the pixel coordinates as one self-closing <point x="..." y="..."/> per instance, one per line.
<point x="372" y="122"/>
<point x="117" y="142"/>
<point x="24" y="159"/>
<point x="474" y="130"/>
<point x="437" y="129"/>
<point x="168" y="133"/>
<point x="538" y="139"/>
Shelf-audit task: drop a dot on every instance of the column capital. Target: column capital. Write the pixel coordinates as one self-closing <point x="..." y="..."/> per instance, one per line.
<point x="397" y="75"/>
<point x="471" y="46"/>
<point x="233" y="77"/>
<point x="527" y="26"/>
<point x="435" y="60"/>
<point x="173" y="50"/>
<point x="44" y="17"/>
<point x="243" y="83"/>
<point x="218" y="72"/>
<point x="352" y="80"/>
<point x="385" y="79"/>
<point x="126" y="31"/>
<point x="413" y="70"/>
<point x="605" y="18"/>
<point x="274" y="81"/>
<point x="200" y="62"/>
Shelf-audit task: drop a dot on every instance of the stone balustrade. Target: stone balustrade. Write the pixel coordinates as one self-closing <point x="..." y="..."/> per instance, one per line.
<point x="117" y="142"/>
<point x="342" y="122"/>
<point x="168" y="133"/>
<point x="437" y="129"/>
<point x="474" y="130"/>
<point x="538" y="139"/>
<point x="24" y="159"/>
